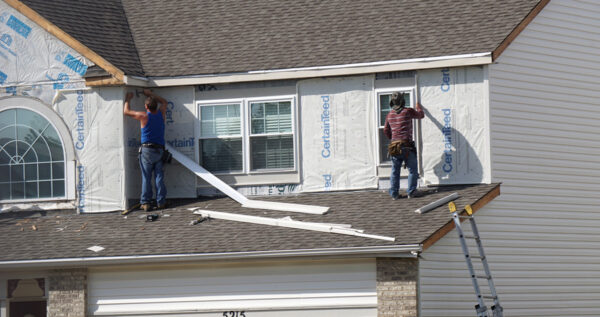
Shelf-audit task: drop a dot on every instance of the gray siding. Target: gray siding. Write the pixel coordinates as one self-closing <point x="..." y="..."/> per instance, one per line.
<point x="541" y="234"/>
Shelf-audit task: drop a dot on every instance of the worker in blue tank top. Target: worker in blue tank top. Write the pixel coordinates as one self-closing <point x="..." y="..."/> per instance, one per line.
<point x="152" y="122"/>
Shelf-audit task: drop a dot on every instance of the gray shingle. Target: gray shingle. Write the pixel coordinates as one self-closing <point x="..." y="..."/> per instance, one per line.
<point x="188" y="37"/>
<point x="60" y="235"/>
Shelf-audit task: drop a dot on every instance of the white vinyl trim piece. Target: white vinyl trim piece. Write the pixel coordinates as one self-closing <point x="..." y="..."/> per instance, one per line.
<point x="436" y="203"/>
<point x="289" y="223"/>
<point x="273" y="205"/>
<point x="207" y="176"/>
<point x="235" y="195"/>
<point x="324" y="71"/>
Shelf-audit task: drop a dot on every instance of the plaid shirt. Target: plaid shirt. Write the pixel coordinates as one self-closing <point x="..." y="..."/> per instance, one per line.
<point x="399" y="126"/>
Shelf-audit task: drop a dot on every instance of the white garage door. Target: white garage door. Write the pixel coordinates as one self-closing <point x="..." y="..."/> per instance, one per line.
<point x="284" y="289"/>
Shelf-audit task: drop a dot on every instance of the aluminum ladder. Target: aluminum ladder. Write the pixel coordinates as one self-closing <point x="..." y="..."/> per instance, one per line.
<point x="480" y="308"/>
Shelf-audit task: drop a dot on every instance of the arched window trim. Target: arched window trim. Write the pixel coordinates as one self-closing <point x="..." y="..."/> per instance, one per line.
<point x="37" y="106"/>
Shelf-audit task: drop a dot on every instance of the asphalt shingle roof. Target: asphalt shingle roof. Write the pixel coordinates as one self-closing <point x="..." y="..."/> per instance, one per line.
<point x="188" y="37"/>
<point x="35" y="235"/>
<point x="99" y="25"/>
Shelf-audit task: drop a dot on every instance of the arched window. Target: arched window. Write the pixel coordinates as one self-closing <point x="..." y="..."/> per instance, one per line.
<point x="32" y="157"/>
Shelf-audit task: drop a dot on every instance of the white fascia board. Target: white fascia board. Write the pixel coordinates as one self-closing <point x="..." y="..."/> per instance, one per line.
<point x="136" y="81"/>
<point x="288" y="223"/>
<point x="322" y="71"/>
<point x="408" y="250"/>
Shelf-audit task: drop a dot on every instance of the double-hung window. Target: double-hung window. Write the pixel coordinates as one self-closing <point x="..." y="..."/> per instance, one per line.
<point x="247" y="136"/>
<point x="383" y="108"/>
<point x="271" y="136"/>
<point x="221" y="142"/>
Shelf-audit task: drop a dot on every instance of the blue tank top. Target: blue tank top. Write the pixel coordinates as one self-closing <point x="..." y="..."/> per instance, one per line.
<point x="154" y="130"/>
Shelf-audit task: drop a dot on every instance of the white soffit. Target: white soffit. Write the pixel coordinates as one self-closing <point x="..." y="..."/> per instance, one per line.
<point x="235" y="195"/>
<point x="317" y="71"/>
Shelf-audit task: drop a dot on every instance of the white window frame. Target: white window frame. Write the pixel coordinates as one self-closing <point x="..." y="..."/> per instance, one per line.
<point x="245" y="122"/>
<point x="69" y="165"/>
<point x="378" y="126"/>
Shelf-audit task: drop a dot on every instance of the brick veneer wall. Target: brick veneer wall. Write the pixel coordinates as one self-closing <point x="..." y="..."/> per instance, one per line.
<point x="397" y="280"/>
<point x="67" y="293"/>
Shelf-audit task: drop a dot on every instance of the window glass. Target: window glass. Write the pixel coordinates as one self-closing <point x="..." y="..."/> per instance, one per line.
<point x="270" y="152"/>
<point x="220" y="120"/>
<point x="221" y="155"/>
<point x="271" y="117"/>
<point x="31" y="157"/>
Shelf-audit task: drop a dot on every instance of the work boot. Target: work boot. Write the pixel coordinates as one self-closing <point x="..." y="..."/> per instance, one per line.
<point x="146" y="207"/>
<point x="415" y="193"/>
<point x="161" y="206"/>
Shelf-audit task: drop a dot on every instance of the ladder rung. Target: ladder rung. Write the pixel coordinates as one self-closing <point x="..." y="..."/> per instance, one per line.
<point x="487" y="277"/>
<point x="489" y="297"/>
<point x="465" y="217"/>
<point x="471" y="237"/>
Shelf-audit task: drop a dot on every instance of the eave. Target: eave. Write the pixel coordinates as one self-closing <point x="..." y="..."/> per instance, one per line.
<point x="440" y="233"/>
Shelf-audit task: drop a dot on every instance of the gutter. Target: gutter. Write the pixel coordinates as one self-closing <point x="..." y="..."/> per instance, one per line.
<point x="317" y="71"/>
<point x="409" y="250"/>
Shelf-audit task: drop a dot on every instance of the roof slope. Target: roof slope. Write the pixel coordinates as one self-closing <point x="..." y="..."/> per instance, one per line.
<point x="99" y="25"/>
<point x="64" y="235"/>
<point x="188" y="37"/>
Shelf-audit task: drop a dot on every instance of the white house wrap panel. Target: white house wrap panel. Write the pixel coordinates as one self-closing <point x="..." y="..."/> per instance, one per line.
<point x="338" y="151"/>
<point x="310" y="288"/>
<point x="541" y="234"/>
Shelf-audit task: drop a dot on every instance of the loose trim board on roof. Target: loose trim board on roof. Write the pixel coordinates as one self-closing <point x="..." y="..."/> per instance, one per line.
<point x="289" y="223"/>
<point x="437" y="203"/>
<point x="235" y="195"/>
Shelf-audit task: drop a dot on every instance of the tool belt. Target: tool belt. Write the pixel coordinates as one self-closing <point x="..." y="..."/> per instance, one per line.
<point x="395" y="148"/>
<point x="153" y="146"/>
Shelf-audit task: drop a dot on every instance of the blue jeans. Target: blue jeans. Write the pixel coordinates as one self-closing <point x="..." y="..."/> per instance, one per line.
<point x="151" y="161"/>
<point x="413" y="171"/>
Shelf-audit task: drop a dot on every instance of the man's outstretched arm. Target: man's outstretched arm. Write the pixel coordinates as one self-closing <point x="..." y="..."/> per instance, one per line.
<point x="138" y="115"/>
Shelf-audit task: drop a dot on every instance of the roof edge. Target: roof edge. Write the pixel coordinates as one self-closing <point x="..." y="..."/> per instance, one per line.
<point x="518" y="29"/>
<point x="408" y="250"/>
<point x="66" y="38"/>
<point x="318" y="71"/>
<point x="440" y="233"/>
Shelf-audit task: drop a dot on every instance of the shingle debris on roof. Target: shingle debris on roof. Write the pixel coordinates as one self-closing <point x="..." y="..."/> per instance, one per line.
<point x="40" y="235"/>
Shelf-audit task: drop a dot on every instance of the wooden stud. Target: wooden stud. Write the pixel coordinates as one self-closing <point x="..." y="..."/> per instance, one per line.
<point x="103" y="81"/>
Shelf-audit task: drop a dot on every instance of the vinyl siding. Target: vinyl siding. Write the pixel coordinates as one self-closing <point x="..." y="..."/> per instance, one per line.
<point x="315" y="288"/>
<point x="542" y="234"/>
